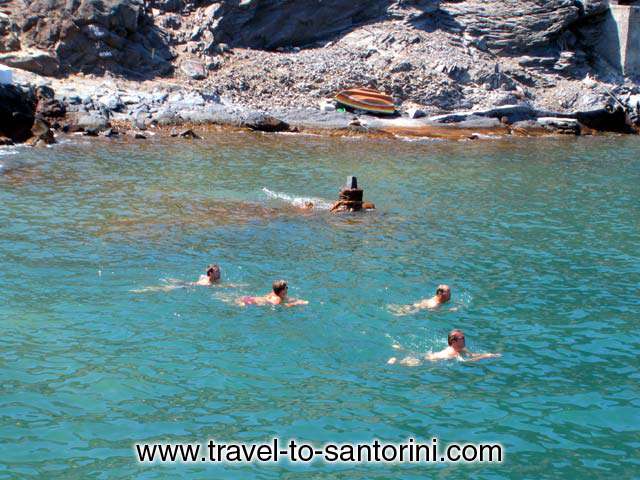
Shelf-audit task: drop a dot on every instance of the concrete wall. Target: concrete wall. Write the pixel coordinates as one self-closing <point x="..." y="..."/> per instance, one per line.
<point x="632" y="55"/>
<point x="620" y="41"/>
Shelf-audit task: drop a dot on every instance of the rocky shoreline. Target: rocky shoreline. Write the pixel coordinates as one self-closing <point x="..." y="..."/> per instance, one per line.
<point x="457" y="69"/>
<point x="111" y="107"/>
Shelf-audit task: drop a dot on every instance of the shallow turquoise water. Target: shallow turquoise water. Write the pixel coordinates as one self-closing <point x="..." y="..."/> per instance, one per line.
<point x="539" y="239"/>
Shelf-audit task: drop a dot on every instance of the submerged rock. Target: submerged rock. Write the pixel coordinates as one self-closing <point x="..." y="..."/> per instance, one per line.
<point x="111" y="132"/>
<point x="266" y="123"/>
<point x="188" y="134"/>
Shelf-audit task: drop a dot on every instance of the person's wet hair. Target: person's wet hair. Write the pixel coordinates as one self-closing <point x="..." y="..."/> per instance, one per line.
<point x="214" y="268"/>
<point x="279" y="286"/>
<point x="453" y="335"/>
<point x="442" y="290"/>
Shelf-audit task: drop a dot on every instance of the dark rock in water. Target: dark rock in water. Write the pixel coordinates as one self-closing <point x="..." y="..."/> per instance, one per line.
<point x="193" y="69"/>
<point x="139" y="136"/>
<point x="91" y="132"/>
<point x="188" y="134"/>
<point x="266" y="123"/>
<point x="270" y="24"/>
<point x="111" y="132"/>
<point x="17" y="113"/>
<point x="5" y="141"/>
<point x="606" y="120"/>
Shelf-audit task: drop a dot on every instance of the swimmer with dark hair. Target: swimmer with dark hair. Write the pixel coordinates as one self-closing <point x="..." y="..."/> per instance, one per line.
<point x="278" y="296"/>
<point x="212" y="275"/>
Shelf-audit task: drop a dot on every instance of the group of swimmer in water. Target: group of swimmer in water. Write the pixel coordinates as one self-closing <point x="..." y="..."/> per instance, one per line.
<point x="350" y="200"/>
<point x="279" y="296"/>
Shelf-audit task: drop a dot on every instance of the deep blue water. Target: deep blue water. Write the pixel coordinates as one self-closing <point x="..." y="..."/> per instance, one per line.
<point x="539" y="239"/>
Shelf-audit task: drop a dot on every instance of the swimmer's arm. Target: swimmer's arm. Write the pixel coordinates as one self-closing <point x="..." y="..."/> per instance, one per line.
<point x="474" y="357"/>
<point x="230" y="285"/>
<point x="427" y="303"/>
<point x="203" y="281"/>
<point x="294" y="301"/>
<point x="436" y="356"/>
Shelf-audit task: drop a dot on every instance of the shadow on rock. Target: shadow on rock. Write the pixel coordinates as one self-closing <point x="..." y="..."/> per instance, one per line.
<point x="95" y="36"/>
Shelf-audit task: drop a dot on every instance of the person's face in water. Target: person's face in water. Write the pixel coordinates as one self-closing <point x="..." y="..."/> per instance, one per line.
<point x="283" y="293"/>
<point x="214" y="274"/>
<point x="458" y="341"/>
<point x="443" y="293"/>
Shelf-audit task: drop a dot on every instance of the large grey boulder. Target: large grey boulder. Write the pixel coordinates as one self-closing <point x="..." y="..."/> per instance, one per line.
<point x="194" y="69"/>
<point x="91" y="121"/>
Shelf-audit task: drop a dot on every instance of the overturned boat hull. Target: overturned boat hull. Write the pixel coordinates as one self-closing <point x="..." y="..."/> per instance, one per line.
<point x="368" y="100"/>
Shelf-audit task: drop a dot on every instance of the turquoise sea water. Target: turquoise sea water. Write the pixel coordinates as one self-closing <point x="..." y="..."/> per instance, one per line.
<point x="539" y="239"/>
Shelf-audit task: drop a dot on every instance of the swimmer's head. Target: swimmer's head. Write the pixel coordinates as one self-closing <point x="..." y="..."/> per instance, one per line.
<point x="213" y="272"/>
<point x="443" y="292"/>
<point x="280" y="288"/>
<point x="456" y="340"/>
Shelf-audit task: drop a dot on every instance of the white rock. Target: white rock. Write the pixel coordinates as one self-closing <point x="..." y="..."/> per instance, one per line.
<point x="634" y="101"/>
<point x="327" y="107"/>
<point x="589" y="82"/>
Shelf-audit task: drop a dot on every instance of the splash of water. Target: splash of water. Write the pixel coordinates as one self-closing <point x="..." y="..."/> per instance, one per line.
<point x="299" y="202"/>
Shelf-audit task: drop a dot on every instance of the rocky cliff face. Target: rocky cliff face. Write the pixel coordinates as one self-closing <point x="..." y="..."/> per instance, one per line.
<point x="292" y="23"/>
<point x="446" y="54"/>
<point x="136" y="37"/>
<point x="90" y="36"/>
